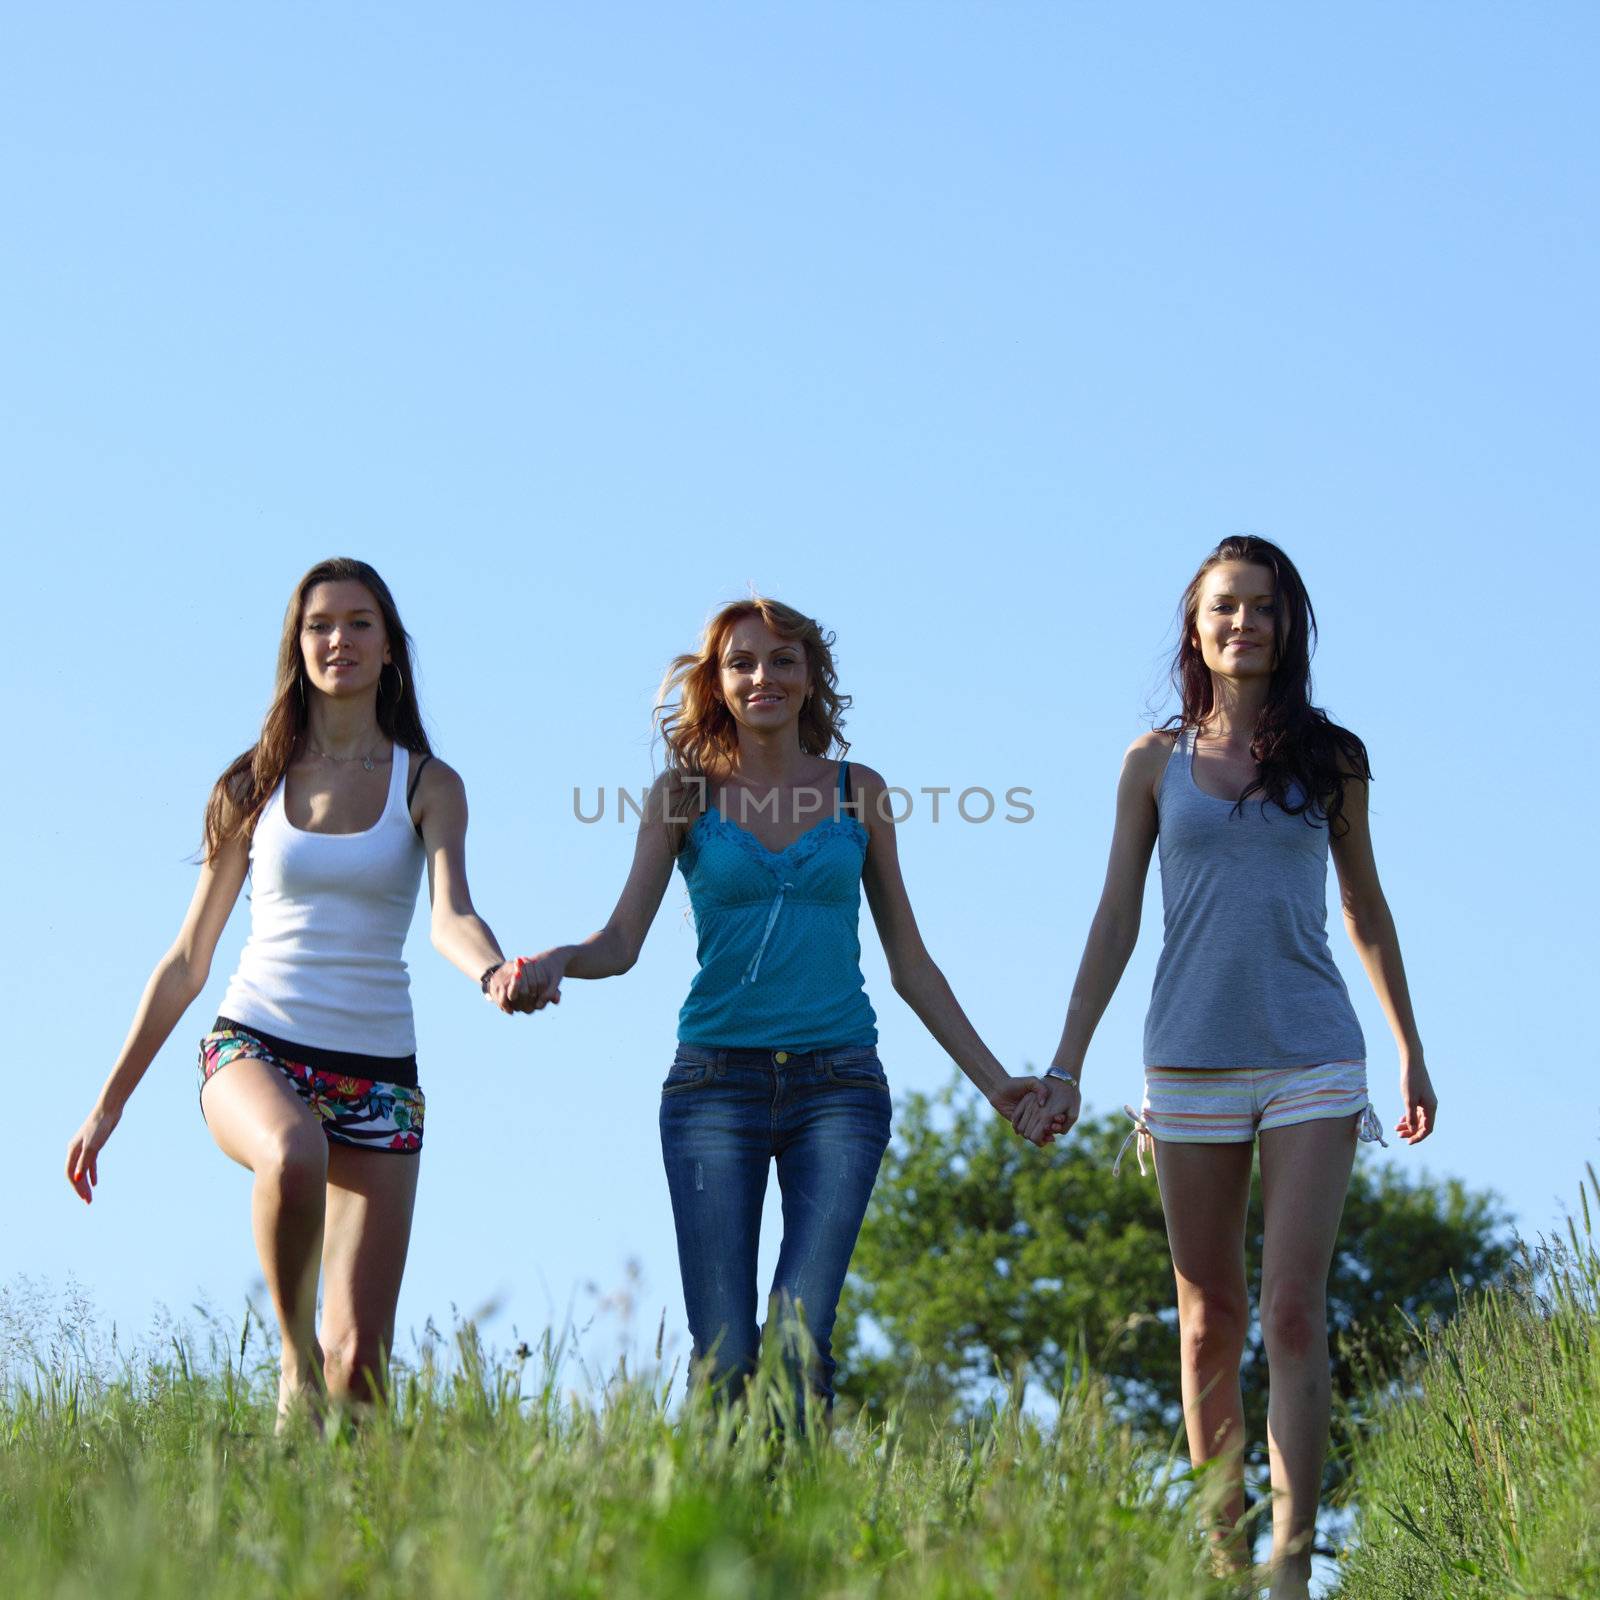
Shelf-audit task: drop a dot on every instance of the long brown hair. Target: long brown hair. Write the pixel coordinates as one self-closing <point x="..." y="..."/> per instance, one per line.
<point x="695" y="724"/>
<point x="1303" y="757"/>
<point x="238" y="796"/>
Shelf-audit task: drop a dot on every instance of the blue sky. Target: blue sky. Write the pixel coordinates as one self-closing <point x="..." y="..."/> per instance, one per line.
<point x="968" y="329"/>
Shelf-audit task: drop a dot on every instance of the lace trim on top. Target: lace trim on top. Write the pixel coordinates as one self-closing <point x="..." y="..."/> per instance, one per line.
<point x="792" y="855"/>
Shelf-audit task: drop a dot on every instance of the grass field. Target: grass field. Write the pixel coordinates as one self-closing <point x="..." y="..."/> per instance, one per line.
<point x="160" y="1476"/>
<point x="1483" y="1476"/>
<point x="489" y="1480"/>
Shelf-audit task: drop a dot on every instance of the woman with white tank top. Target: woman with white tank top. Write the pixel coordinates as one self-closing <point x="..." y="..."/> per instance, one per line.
<point x="1250" y="1032"/>
<point x="309" y="1075"/>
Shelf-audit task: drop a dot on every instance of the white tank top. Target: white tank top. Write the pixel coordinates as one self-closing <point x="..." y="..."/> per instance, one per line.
<point x="328" y="917"/>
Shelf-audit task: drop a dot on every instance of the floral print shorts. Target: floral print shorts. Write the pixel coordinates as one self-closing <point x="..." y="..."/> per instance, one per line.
<point x="364" y="1112"/>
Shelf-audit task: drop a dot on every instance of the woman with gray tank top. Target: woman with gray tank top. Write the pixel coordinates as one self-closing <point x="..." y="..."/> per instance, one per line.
<point x="1250" y="1030"/>
<point x="309" y="1076"/>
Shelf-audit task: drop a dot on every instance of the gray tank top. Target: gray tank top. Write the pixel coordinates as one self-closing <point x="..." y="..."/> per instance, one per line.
<point x="1246" y="978"/>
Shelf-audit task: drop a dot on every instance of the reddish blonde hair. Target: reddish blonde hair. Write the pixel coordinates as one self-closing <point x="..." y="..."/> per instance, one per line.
<point x="693" y="720"/>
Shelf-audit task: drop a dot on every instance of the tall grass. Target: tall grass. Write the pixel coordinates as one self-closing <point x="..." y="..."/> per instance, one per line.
<point x="156" y="1475"/>
<point x="488" y="1479"/>
<point x="1481" y="1475"/>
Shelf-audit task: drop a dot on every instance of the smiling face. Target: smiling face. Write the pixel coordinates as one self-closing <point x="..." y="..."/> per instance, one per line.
<point x="342" y="639"/>
<point x="1235" y="621"/>
<point x="763" y="677"/>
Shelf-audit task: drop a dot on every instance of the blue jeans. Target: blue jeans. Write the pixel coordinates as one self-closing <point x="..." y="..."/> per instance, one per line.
<point x="725" y="1114"/>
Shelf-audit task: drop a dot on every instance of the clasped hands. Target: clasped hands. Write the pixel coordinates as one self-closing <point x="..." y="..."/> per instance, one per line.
<point x="527" y="983"/>
<point x="1040" y="1109"/>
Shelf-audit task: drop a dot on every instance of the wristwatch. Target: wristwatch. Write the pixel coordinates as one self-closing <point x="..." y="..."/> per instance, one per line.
<point x="1064" y="1076"/>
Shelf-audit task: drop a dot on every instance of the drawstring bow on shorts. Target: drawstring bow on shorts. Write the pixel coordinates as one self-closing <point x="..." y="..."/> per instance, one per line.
<point x="1142" y="1140"/>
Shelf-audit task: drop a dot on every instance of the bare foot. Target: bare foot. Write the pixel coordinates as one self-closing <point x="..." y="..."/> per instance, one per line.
<point x="1291" y="1578"/>
<point x="1230" y="1553"/>
<point x="301" y="1393"/>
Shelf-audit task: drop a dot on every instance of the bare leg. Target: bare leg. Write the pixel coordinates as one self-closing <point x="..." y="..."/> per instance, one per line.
<point x="257" y="1120"/>
<point x="1205" y="1192"/>
<point x="370" y="1198"/>
<point x="1305" y="1171"/>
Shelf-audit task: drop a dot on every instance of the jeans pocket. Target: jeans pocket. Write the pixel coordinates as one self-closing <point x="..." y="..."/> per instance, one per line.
<point x="690" y="1069"/>
<point x="861" y="1068"/>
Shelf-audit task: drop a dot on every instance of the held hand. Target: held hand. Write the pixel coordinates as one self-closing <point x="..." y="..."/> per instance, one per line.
<point x="538" y="981"/>
<point x="1420" y="1102"/>
<point x="501" y="984"/>
<point x="504" y="989"/>
<point x="83" y="1154"/>
<point x="1052" y="1113"/>
<point x="1015" y="1100"/>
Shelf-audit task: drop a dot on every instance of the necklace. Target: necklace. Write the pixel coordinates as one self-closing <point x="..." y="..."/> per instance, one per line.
<point x="367" y="763"/>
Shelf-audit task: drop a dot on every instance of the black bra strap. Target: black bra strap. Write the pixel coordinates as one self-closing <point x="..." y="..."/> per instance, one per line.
<point x="844" y="781"/>
<point x="411" y="789"/>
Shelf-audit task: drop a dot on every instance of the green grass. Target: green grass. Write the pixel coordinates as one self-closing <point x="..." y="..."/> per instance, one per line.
<point x="159" y="1476"/>
<point x="1482" y="1474"/>
<point x="489" y="1480"/>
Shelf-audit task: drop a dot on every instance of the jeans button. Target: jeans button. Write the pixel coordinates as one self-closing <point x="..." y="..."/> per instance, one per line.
<point x="781" y="1057"/>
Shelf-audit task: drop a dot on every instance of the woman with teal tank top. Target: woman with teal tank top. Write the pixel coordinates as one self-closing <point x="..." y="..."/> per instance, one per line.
<point x="1250" y="1032"/>
<point x="777" y="1042"/>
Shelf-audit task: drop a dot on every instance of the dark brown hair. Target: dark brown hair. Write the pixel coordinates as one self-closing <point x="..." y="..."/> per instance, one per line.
<point x="1303" y="756"/>
<point x="238" y="796"/>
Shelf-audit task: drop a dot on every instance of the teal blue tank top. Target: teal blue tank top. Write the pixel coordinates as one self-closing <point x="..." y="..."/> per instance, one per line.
<point x="780" y="955"/>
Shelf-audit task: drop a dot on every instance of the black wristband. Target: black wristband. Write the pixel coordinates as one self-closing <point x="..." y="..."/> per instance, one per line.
<point x="483" y="982"/>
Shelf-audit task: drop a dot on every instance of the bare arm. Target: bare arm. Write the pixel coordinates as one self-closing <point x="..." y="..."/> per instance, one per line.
<point x="179" y="977"/>
<point x="1368" y="921"/>
<point x="1115" y="928"/>
<point x="916" y="978"/>
<point x="457" y="932"/>
<point x="615" y="948"/>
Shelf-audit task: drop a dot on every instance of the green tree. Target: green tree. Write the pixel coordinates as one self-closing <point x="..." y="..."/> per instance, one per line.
<point x="983" y="1255"/>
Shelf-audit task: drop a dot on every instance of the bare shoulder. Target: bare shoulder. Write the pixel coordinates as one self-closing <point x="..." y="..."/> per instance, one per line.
<point x="1149" y="751"/>
<point x="437" y="777"/>
<point x="1144" y="764"/>
<point x="1156" y="741"/>
<point x="674" y="801"/>
<point x="669" y="801"/>
<point x="868" y="804"/>
<point x="439" y="793"/>
<point x="865" y="779"/>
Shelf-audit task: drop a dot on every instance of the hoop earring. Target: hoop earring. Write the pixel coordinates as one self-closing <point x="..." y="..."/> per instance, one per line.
<point x="400" y="692"/>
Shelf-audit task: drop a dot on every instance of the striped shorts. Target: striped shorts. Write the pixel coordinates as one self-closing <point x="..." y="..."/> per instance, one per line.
<point x="1231" y="1105"/>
